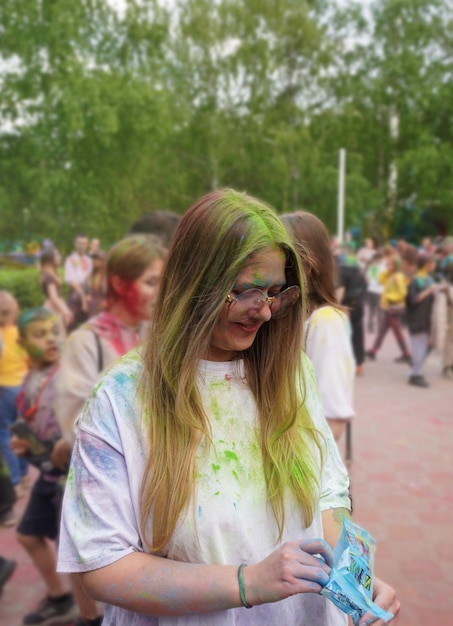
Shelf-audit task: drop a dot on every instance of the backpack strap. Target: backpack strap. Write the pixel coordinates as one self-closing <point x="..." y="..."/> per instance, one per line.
<point x="99" y="351"/>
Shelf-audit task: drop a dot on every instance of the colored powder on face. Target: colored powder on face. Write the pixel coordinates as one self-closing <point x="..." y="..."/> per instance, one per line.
<point x="34" y="352"/>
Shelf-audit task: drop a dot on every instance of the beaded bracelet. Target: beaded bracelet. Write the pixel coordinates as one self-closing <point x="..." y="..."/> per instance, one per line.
<point x="241" y="586"/>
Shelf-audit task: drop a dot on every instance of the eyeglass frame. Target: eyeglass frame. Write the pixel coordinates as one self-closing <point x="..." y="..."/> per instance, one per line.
<point x="269" y="300"/>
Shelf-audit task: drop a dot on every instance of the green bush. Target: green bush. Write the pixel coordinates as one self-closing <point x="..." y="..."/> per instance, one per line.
<point x="23" y="284"/>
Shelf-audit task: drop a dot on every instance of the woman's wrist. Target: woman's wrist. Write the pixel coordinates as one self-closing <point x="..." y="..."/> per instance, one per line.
<point x="242" y="586"/>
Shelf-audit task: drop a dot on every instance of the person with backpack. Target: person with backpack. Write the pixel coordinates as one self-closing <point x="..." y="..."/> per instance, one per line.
<point x="133" y="269"/>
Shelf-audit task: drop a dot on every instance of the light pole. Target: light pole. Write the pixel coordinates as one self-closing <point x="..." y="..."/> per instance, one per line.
<point x="340" y="213"/>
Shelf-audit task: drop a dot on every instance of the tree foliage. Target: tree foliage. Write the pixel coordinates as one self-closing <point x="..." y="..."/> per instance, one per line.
<point x="106" y="115"/>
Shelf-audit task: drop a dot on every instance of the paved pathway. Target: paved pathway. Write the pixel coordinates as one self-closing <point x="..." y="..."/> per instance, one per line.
<point x="402" y="485"/>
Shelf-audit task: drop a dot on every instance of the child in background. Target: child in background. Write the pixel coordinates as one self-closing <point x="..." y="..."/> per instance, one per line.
<point x="13" y="367"/>
<point x="40" y="335"/>
<point x="419" y="305"/>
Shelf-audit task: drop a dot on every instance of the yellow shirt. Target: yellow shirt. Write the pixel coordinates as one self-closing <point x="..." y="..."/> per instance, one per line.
<point x="395" y="289"/>
<point x="13" y="359"/>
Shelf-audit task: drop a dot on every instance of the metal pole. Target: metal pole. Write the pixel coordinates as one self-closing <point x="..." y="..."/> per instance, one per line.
<point x="341" y="175"/>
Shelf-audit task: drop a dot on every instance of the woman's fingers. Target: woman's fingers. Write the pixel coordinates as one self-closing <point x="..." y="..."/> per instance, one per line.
<point x="318" y="546"/>
<point x="385" y="597"/>
<point x="296" y="567"/>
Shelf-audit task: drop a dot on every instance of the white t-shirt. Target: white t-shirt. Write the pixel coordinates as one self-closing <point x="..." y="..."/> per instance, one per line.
<point x="228" y="522"/>
<point x="77" y="268"/>
<point x="328" y="344"/>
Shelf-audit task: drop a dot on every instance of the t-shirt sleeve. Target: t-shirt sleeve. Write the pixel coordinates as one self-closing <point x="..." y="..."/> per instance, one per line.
<point x="98" y="524"/>
<point x="77" y="376"/>
<point x="334" y="492"/>
<point x="329" y="347"/>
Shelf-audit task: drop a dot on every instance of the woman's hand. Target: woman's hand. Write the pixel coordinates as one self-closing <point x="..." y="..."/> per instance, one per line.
<point x="19" y="446"/>
<point x="61" y="455"/>
<point x="292" y="568"/>
<point x="385" y="597"/>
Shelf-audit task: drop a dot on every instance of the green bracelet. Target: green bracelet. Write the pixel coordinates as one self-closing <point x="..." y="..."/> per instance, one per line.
<point x="241" y="586"/>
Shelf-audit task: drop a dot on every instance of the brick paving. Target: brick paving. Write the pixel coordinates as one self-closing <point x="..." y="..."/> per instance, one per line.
<point x="402" y="486"/>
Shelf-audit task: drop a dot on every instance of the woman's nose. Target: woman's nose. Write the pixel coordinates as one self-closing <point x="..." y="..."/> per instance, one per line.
<point x="265" y="312"/>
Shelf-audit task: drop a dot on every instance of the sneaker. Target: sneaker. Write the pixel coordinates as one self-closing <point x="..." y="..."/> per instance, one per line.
<point x="404" y="358"/>
<point x="418" y="381"/>
<point x="8" y="518"/>
<point x="82" y="621"/>
<point x="370" y="354"/>
<point x="448" y="373"/>
<point x="7" y="568"/>
<point x="359" y="370"/>
<point x="52" y="611"/>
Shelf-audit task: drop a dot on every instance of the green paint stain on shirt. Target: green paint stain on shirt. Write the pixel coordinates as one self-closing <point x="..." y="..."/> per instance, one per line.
<point x="230" y="455"/>
<point x="96" y="389"/>
<point x="215" y="467"/>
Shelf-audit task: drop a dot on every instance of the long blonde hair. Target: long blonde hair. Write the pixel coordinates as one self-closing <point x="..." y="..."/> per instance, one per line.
<point x="213" y="241"/>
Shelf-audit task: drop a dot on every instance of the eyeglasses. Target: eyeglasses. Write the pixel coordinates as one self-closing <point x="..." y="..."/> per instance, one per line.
<point x="251" y="301"/>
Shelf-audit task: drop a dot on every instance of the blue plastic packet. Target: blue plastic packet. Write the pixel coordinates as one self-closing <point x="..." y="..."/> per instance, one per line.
<point x="350" y="585"/>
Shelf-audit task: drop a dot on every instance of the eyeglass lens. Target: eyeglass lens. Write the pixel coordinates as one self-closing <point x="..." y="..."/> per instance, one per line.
<point x="253" y="300"/>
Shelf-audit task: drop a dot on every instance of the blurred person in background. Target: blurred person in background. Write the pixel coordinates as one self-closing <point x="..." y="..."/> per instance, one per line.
<point x="14" y="364"/>
<point x="419" y="306"/>
<point x="50" y="283"/>
<point x="160" y="223"/>
<point x="95" y="286"/>
<point x="351" y="278"/>
<point x="133" y="271"/>
<point x="94" y="247"/>
<point x="366" y="253"/>
<point x="374" y="290"/>
<point x="327" y="329"/>
<point x="37" y="531"/>
<point x="393" y="307"/>
<point x="77" y="268"/>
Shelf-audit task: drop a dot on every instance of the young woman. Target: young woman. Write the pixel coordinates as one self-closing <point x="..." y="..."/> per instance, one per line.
<point x="51" y="286"/>
<point x="133" y="268"/>
<point x="327" y="329"/>
<point x="204" y="476"/>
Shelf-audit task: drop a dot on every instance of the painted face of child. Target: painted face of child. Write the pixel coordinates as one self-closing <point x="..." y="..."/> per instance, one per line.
<point x="140" y="296"/>
<point x="42" y="341"/>
<point x="266" y="271"/>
